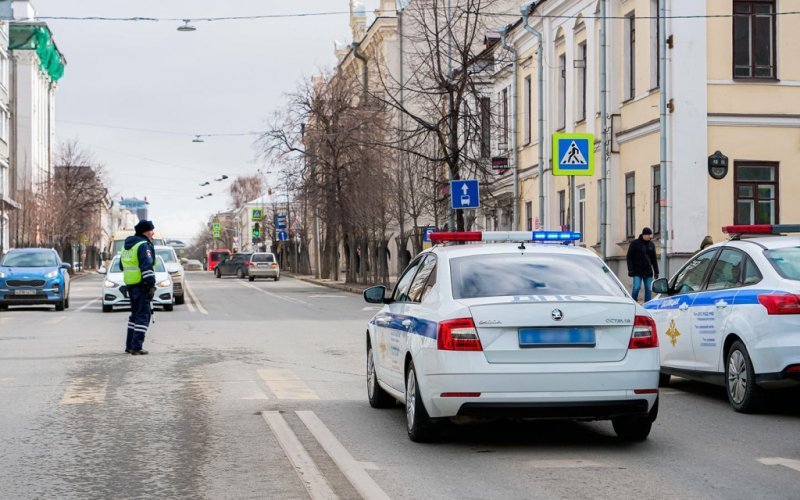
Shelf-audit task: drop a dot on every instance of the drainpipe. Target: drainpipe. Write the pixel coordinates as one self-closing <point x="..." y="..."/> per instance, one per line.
<point x="526" y="10"/>
<point x="662" y="88"/>
<point x="603" y="142"/>
<point x="514" y="152"/>
<point x="365" y="69"/>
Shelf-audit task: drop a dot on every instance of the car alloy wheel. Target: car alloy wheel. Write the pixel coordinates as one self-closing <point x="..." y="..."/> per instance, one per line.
<point x="418" y="423"/>
<point x="743" y="393"/>
<point x="737" y="377"/>
<point x="378" y="398"/>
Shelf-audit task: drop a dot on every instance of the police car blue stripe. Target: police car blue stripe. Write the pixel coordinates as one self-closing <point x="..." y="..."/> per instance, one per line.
<point x="733" y="296"/>
<point x="418" y="326"/>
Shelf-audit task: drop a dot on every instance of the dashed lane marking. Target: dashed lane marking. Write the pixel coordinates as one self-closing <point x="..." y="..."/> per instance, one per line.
<point x="286" y="385"/>
<point x="85" y="390"/>
<point x="5" y="321"/>
<point x="326" y="296"/>
<point x="306" y="469"/>
<point x="786" y="462"/>
<point x="350" y="467"/>
<point x="566" y="464"/>
<point x="87" y="305"/>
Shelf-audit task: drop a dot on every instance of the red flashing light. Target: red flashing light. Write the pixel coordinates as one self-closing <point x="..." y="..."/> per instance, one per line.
<point x="644" y="333"/>
<point x="460" y="394"/>
<point x="748" y="229"/>
<point x="458" y="335"/>
<point x="438" y="237"/>
<point x="780" y="303"/>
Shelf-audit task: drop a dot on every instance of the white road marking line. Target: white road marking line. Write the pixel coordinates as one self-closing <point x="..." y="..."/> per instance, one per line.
<point x="786" y="462"/>
<point x="189" y="305"/>
<point x="275" y="295"/>
<point x="369" y="466"/>
<point x="85" y="390"/>
<point x="5" y="321"/>
<point x="350" y="467"/>
<point x="304" y="466"/>
<point x="195" y="299"/>
<point x="286" y="385"/>
<point x="372" y="308"/>
<point x="87" y="305"/>
<point x="328" y="296"/>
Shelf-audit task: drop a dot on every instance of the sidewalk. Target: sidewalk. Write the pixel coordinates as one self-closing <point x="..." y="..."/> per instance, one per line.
<point x="338" y="285"/>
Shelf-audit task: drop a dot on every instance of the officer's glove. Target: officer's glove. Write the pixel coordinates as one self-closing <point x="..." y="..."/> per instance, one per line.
<point x="151" y="292"/>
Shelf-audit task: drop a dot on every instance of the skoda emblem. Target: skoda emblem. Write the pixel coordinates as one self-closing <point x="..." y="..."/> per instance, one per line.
<point x="557" y="315"/>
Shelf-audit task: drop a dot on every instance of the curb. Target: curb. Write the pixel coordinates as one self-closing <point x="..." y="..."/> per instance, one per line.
<point x="357" y="289"/>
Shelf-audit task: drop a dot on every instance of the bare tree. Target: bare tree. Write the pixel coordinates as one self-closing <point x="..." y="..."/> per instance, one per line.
<point x="245" y="189"/>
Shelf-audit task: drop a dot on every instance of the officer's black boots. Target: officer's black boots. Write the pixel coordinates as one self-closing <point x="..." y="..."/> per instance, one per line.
<point x="138" y="352"/>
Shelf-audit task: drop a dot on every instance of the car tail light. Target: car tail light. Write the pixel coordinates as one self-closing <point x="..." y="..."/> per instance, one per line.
<point x="780" y="303"/>
<point x="274" y="265"/>
<point x="252" y="264"/>
<point x="793" y="368"/>
<point x="644" y="333"/>
<point x="645" y="391"/>
<point x="458" y="335"/>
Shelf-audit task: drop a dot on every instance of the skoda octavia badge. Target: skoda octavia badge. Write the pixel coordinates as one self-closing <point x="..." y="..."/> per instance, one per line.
<point x="557" y="315"/>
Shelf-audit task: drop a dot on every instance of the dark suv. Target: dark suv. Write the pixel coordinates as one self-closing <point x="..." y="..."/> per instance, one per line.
<point x="237" y="265"/>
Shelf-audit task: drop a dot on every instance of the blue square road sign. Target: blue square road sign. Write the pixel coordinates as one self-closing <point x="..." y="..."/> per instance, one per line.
<point x="464" y="194"/>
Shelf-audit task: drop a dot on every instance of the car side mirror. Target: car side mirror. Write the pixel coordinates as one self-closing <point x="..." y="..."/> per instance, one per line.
<point x="66" y="266"/>
<point x="376" y="295"/>
<point x="661" y="285"/>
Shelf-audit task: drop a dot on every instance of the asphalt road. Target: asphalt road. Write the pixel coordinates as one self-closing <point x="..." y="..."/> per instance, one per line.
<point x="257" y="390"/>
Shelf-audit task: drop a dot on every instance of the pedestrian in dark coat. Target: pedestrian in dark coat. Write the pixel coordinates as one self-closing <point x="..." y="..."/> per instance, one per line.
<point x="642" y="263"/>
<point x="137" y="262"/>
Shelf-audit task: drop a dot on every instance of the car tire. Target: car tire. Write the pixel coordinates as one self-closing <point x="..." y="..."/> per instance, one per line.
<point x="378" y="398"/>
<point x="107" y="309"/>
<point x="239" y="274"/>
<point x="60" y="305"/>
<point x="635" y="428"/>
<point x="179" y="300"/>
<point x="418" y="423"/>
<point x="217" y="273"/>
<point x="250" y="278"/>
<point x="743" y="393"/>
<point x="168" y="307"/>
<point x="3" y="307"/>
<point x="66" y="303"/>
<point x="278" y="277"/>
<point x="663" y="379"/>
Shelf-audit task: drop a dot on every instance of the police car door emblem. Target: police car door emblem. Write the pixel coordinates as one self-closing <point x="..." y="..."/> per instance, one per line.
<point x="557" y="315"/>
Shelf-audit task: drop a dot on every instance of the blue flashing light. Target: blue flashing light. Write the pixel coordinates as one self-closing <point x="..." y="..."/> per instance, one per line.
<point x="555" y="236"/>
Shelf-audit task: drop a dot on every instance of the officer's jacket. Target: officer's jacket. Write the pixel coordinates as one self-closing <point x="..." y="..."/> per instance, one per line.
<point x="147" y="256"/>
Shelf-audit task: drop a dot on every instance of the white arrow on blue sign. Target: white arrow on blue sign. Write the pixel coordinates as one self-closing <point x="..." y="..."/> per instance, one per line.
<point x="283" y="236"/>
<point x="464" y="194"/>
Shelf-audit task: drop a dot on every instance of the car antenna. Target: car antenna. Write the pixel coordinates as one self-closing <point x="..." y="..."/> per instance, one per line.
<point x="521" y="246"/>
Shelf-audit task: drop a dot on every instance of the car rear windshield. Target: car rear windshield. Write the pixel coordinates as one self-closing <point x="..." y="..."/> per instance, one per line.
<point x="263" y="257"/>
<point x="515" y="274"/>
<point x="30" y="259"/>
<point x="786" y="261"/>
<point x="219" y="255"/>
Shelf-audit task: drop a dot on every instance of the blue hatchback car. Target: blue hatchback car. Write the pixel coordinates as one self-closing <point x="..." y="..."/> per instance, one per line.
<point x="33" y="276"/>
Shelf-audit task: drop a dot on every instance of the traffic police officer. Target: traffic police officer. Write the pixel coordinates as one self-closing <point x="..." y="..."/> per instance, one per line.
<point x="137" y="262"/>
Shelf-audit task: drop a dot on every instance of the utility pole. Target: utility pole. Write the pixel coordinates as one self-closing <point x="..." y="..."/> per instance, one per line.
<point x="603" y="136"/>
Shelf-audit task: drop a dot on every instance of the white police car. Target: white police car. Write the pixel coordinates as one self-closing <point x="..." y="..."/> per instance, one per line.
<point x="731" y="315"/>
<point x="512" y="329"/>
<point x="115" y="292"/>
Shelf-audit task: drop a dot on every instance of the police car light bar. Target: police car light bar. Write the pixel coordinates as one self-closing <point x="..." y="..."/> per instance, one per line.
<point x="552" y="236"/>
<point x="761" y="229"/>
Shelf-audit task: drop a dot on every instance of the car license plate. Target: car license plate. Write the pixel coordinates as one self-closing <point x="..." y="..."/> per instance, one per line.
<point x="557" y="337"/>
<point x="263" y="265"/>
<point x="25" y="292"/>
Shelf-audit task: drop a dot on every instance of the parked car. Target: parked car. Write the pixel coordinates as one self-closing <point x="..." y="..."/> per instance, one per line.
<point x="192" y="265"/>
<point x="115" y="293"/>
<point x="175" y="270"/>
<point x="512" y="330"/>
<point x="731" y="315"/>
<point x="33" y="276"/>
<point x="237" y="265"/>
<point x="264" y="265"/>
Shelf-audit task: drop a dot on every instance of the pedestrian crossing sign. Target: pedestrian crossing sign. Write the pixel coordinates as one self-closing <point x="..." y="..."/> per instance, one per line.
<point x="573" y="154"/>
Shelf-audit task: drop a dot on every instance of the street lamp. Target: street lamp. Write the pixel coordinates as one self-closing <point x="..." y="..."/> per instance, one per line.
<point x="186" y="26"/>
<point x="197" y="138"/>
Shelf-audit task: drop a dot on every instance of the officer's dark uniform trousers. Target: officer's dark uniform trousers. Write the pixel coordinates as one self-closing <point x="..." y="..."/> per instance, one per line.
<point x="139" y="320"/>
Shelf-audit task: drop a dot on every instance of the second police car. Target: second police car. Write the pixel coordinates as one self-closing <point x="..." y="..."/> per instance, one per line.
<point x="517" y="329"/>
<point x="731" y="315"/>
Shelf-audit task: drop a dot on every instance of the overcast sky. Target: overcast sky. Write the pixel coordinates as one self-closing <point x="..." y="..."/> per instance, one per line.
<point x="226" y="77"/>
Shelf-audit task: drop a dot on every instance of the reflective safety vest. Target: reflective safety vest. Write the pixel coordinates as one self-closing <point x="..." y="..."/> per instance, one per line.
<point x="130" y="265"/>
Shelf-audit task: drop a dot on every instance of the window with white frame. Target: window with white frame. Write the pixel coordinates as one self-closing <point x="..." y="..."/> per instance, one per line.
<point x="504" y="129"/>
<point x="529" y="216"/>
<point x="562" y="91"/>
<point x="656" y="210"/>
<point x="580" y="77"/>
<point x="655" y="49"/>
<point x="526" y="92"/>
<point x="3" y="124"/>
<point x="581" y="212"/>
<point x="630" y="205"/>
<point x="562" y="209"/>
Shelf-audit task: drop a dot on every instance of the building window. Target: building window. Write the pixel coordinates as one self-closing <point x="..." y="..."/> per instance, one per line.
<point x="756" y="193"/>
<point x="562" y="91"/>
<point x="630" y="56"/>
<point x="529" y="216"/>
<point x="581" y="212"/>
<point x="486" y="127"/>
<point x="580" y="75"/>
<point x="526" y="92"/>
<point x="3" y="125"/>
<point x="655" y="224"/>
<point x="630" y="205"/>
<point x="4" y="70"/>
<point x="655" y="48"/>
<point x="754" y="39"/>
<point x="504" y="126"/>
<point x="562" y="209"/>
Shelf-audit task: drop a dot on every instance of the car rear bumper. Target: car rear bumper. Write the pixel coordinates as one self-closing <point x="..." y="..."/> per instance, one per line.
<point x="263" y="273"/>
<point x="572" y="390"/>
<point x="9" y="297"/>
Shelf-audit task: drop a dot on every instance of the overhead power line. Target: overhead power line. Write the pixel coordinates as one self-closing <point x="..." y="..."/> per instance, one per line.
<point x="622" y="18"/>
<point x="194" y="19"/>
<point x="154" y="131"/>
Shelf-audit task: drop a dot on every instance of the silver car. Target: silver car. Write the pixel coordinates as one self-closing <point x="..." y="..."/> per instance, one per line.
<point x="263" y="265"/>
